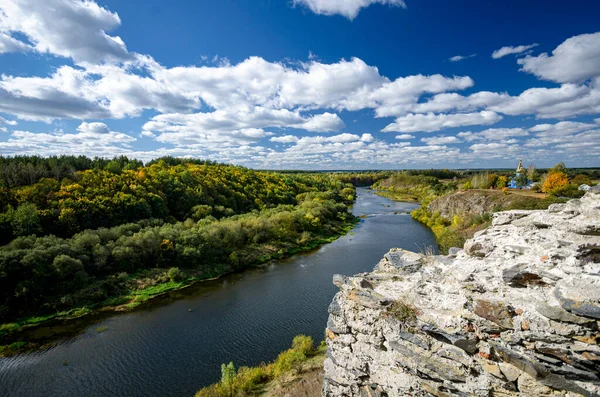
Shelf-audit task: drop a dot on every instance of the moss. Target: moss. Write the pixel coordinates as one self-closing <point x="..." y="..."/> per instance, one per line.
<point x="402" y="311"/>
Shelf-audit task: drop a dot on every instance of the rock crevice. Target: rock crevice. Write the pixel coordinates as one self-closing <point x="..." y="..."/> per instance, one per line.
<point x="515" y="313"/>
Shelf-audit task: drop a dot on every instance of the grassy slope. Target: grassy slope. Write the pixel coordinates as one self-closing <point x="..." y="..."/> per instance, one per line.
<point x="460" y="223"/>
<point x="296" y="372"/>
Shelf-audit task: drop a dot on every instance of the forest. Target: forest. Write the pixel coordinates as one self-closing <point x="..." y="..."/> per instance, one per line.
<point x="102" y="233"/>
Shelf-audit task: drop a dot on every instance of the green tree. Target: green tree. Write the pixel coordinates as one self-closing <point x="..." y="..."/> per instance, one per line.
<point x="501" y="182"/>
<point x="228" y="374"/>
<point x="521" y="180"/>
<point x="113" y="167"/>
<point x="560" y="167"/>
<point x="26" y="220"/>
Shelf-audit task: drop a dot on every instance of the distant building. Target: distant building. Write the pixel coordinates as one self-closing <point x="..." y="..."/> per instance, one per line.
<point x="513" y="182"/>
<point x="584" y="187"/>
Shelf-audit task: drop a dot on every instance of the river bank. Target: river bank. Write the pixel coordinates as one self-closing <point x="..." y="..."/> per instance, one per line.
<point x="22" y="336"/>
<point x="181" y="339"/>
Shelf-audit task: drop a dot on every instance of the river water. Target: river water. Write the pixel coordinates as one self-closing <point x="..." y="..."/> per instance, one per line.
<point x="176" y="348"/>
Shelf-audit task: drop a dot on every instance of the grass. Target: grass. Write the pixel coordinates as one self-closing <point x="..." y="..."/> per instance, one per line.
<point x="101" y="329"/>
<point x="33" y="321"/>
<point x="296" y="372"/>
<point x="402" y="311"/>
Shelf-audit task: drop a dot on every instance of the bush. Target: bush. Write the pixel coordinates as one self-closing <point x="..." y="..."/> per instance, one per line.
<point x="175" y="274"/>
<point x="303" y="344"/>
<point x="288" y="360"/>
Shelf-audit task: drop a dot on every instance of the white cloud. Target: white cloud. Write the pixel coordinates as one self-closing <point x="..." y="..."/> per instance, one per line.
<point x="232" y="128"/>
<point x="458" y="58"/>
<point x="93" y="128"/>
<point x="285" y="139"/>
<point x="569" y="136"/>
<point x="452" y="101"/>
<point x="468" y="136"/>
<point x="404" y="136"/>
<point x="347" y="8"/>
<point x="575" y="60"/>
<point x="10" y="44"/>
<point x="508" y="50"/>
<point x="91" y="139"/>
<point x="434" y="122"/>
<point x="568" y="100"/>
<point x="3" y="121"/>
<point x="323" y="123"/>
<point x="441" y="140"/>
<point x="69" y="28"/>
<point x="562" y="128"/>
<point x="397" y="98"/>
<point x="367" y="138"/>
<point x="494" y="149"/>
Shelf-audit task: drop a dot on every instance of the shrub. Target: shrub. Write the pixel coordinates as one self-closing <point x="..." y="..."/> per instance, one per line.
<point x="303" y="344"/>
<point x="175" y="274"/>
<point x="581" y="179"/>
<point x="288" y="360"/>
<point x="250" y="379"/>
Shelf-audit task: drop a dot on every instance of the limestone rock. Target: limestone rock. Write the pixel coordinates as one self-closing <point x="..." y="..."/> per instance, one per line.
<point x="516" y="313"/>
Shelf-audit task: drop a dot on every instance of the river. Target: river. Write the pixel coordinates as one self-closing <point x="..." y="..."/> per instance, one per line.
<point x="176" y="348"/>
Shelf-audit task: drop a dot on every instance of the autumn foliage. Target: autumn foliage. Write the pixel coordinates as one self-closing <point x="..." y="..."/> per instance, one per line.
<point x="555" y="182"/>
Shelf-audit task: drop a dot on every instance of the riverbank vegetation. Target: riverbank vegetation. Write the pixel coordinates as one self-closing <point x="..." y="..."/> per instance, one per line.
<point x="117" y="236"/>
<point x="299" y="367"/>
<point x="456" y="204"/>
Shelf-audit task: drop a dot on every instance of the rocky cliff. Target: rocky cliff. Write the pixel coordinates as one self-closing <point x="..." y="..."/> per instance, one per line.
<point x="479" y="202"/>
<point x="516" y="313"/>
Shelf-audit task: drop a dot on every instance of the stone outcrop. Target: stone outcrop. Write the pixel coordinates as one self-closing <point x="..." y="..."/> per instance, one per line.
<point x="515" y="313"/>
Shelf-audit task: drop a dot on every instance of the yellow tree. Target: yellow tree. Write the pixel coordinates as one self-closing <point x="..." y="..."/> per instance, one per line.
<point x="555" y="182"/>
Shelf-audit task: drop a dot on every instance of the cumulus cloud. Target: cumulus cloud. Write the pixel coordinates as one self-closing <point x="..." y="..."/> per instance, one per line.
<point x="576" y="59"/>
<point x="434" y="122"/>
<point x="68" y="28"/>
<point x="568" y="100"/>
<point x="234" y="127"/>
<point x="493" y="134"/>
<point x="508" y="50"/>
<point x="285" y="139"/>
<point x="452" y="102"/>
<point x="441" y="140"/>
<point x="367" y="138"/>
<point x="227" y="111"/>
<point x="348" y="8"/>
<point x="91" y="139"/>
<point x="458" y="58"/>
<point x="401" y="96"/>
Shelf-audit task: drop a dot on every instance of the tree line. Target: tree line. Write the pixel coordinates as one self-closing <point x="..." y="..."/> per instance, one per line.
<point x="168" y="189"/>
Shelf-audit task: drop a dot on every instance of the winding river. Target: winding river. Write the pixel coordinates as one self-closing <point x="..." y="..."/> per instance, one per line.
<point x="175" y="348"/>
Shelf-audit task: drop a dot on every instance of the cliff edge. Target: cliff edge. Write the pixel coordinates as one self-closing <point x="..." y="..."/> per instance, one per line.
<point x="515" y="313"/>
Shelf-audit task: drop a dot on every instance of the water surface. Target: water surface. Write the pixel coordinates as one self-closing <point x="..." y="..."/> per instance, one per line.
<point x="247" y="318"/>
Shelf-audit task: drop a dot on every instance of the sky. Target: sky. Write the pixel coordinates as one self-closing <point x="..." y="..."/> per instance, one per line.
<point x="304" y="84"/>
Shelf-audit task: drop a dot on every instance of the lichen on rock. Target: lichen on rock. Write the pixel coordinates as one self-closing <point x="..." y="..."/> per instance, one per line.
<point x="516" y="313"/>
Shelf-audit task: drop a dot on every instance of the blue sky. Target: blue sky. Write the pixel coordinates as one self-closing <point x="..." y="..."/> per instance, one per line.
<point x="310" y="84"/>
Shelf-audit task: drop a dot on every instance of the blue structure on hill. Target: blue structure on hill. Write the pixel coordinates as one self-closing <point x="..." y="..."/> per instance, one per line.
<point x="513" y="182"/>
